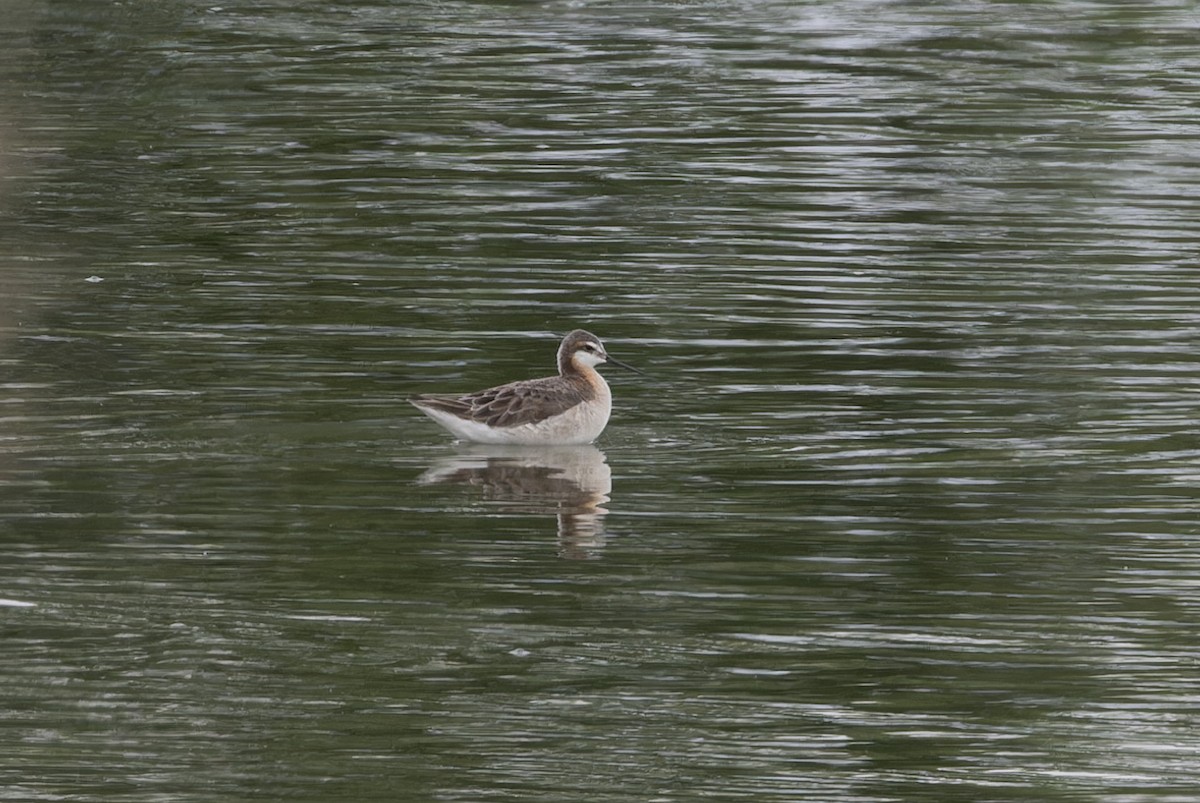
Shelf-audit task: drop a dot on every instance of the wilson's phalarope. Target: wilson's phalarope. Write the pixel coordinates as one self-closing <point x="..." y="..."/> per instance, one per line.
<point x="571" y="408"/>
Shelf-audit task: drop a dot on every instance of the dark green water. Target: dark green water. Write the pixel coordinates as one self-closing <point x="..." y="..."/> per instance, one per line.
<point x="904" y="511"/>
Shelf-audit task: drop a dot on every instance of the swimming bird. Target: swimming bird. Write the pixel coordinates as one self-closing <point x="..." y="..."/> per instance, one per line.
<point x="571" y="408"/>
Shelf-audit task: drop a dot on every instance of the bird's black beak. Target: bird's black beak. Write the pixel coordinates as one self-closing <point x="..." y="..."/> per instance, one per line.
<point x="625" y="365"/>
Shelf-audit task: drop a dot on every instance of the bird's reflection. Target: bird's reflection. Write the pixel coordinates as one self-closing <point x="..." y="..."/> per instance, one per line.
<point x="571" y="482"/>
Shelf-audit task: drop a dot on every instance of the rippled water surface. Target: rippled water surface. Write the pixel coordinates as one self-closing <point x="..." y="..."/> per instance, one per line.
<point x="903" y="510"/>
